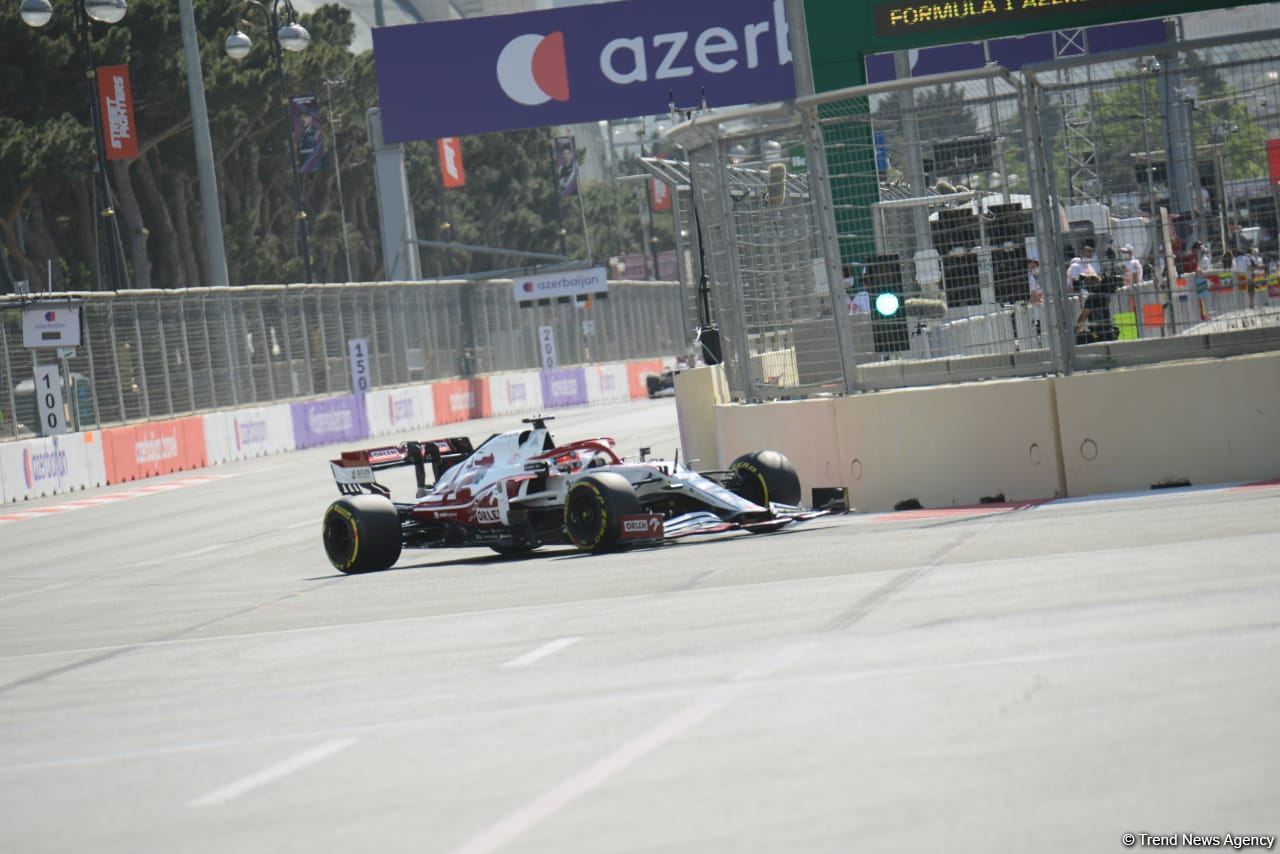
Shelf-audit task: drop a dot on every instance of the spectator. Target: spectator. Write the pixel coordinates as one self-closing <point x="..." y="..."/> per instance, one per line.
<point x="1083" y="266"/>
<point x="1242" y="268"/>
<point x="1130" y="267"/>
<point x="1197" y="259"/>
<point x="1033" y="280"/>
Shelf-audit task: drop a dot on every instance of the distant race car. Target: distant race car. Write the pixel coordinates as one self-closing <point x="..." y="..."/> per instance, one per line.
<point x="520" y="490"/>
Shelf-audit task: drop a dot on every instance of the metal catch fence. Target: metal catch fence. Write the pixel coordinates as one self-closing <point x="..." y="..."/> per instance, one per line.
<point x="986" y="223"/>
<point x="155" y="354"/>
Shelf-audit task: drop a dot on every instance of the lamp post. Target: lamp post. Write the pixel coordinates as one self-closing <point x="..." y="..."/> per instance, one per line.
<point x="290" y="36"/>
<point x="337" y="171"/>
<point x="1151" y="65"/>
<point x="36" y="13"/>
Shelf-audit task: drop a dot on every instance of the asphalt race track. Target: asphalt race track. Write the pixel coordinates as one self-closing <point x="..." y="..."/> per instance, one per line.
<point x="181" y="671"/>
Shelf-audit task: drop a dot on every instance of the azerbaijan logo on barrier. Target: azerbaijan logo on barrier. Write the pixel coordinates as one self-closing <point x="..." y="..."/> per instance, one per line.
<point x="532" y="69"/>
<point x="50" y="464"/>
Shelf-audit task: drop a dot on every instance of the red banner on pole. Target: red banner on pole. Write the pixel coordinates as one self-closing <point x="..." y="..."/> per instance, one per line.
<point x="115" y="103"/>
<point x="1273" y="160"/>
<point x="660" y="192"/>
<point x="451" y="172"/>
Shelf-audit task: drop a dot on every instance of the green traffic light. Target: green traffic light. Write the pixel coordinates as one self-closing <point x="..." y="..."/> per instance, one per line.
<point x="887" y="304"/>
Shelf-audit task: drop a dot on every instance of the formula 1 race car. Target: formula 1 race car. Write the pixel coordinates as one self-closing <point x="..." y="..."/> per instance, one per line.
<point x="520" y="490"/>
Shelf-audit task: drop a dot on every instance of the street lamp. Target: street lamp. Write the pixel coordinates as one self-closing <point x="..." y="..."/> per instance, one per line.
<point x="290" y="36"/>
<point x="37" y="13"/>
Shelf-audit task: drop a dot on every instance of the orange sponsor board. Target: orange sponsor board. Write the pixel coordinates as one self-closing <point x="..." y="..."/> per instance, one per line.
<point x="461" y="400"/>
<point x="147" y="450"/>
<point x="637" y="371"/>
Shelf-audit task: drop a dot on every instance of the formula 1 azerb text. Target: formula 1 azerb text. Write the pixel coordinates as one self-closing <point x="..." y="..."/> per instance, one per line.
<point x="520" y="490"/>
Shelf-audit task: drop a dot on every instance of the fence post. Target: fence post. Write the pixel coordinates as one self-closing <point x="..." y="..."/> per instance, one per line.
<point x="164" y="357"/>
<point x="1048" y="236"/>
<point x="266" y="349"/>
<point x="93" y="372"/>
<point x="186" y="350"/>
<point x="8" y="369"/>
<point x="824" y="210"/>
<point x="283" y="302"/>
<point x="733" y="284"/>
<point x="115" y="360"/>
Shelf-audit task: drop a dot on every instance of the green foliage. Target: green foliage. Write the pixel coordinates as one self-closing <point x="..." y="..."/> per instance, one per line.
<point x="47" y="161"/>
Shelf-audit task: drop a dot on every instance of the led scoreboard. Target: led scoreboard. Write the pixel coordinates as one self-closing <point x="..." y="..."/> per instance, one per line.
<point x="906" y="17"/>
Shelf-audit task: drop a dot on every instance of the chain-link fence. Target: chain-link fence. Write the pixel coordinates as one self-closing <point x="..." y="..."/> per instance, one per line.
<point x="985" y="223"/>
<point x="154" y="354"/>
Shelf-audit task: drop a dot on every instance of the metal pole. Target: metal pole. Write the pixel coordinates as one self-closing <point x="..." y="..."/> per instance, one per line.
<point x="4" y="351"/>
<point x="1150" y="168"/>
<point x="93" y="374"/>
<point x="337" y="171"/>
<point x="108" y="212"/>
<point x="186" y="352"/>
<point x="277" y="53"/>
<point x="210" y="212"/>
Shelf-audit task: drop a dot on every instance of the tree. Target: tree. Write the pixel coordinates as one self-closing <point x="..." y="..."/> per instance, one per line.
<point x="48" y="205"/>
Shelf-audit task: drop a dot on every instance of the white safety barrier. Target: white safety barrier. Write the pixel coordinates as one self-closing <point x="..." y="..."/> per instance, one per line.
<point x="515" y="393"/>
<point x="40" y="467"/>
<point x="395" y="410"/>
<point x="243" y="434"/>
<point x="607" y="383"/>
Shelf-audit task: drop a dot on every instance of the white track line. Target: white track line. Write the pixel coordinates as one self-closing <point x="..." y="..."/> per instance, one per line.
<point x="549" y="648"/>
<point x="272" y="773"/>
<point x="565" y="793"/>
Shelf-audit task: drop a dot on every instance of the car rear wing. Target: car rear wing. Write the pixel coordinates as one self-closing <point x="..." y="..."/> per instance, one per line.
<point x="354" y="471"/>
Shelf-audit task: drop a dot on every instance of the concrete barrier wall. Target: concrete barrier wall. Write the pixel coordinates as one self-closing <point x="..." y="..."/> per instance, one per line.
<point x="607" y="383"/>
<point x="804" y="430"/>
<point x="38" y="467"/>
<point x="698" y="391"/>
<point x="947" y="446"/>
<point x="246" y="433"/>
<point x="513" y="393"/>
<point x="1211" y="421"/>
<point x="393" y="410"/>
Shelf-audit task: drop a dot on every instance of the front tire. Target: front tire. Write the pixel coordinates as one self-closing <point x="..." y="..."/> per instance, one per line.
<point x="362" y="534"/>
<point x="594" y="508"/>
<point x="766" y="477"/>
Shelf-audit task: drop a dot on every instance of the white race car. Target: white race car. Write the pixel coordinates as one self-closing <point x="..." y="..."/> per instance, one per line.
<point x="520" y="490"/>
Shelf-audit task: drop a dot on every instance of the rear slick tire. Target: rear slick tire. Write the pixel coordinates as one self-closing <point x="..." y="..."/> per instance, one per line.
<point x="594" y="508"/>
<point x="362" y="534"/>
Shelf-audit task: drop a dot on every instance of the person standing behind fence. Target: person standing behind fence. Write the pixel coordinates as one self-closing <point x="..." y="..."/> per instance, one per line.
<point x="1081" y="273"/>
<point x="1130" y="267"/>
<point x="1083" y="267"/>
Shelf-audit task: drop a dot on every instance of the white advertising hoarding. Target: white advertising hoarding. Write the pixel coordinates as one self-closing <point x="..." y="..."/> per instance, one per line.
<point x="566" y="283"/>
<point x="51" y="325"/>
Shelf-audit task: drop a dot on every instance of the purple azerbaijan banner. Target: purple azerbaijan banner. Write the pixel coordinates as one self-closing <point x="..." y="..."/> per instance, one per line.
<point x="579" y="64"/>
<point x="564" y="388"/>
<point x="321" y="422"/>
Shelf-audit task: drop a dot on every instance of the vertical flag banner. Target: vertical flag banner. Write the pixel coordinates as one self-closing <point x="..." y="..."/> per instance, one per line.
<point x="304" y="113"/>
<point x="115" y="102"/>
<point x="566" y="153"/>
<point x="452" y="174"/>
<point x="660" y="193"/>
<point x="1273" y="160"/>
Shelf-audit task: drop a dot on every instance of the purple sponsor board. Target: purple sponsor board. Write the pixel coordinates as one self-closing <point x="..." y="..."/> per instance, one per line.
<point x="564" y="388"/>
<point x="579" y="64"/>
<point x="322" y="422"/>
